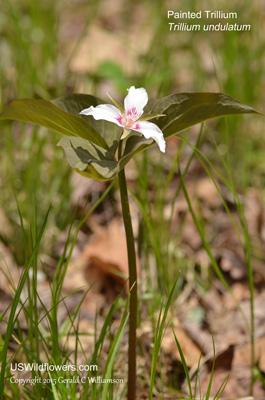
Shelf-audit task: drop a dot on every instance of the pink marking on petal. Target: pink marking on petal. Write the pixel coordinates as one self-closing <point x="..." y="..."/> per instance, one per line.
<point x="119" y="119"/>
<point x="137" y="126"/>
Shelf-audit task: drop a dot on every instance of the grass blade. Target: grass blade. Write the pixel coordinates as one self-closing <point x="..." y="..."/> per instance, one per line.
<point x="10" y="325"/>
<point x="158" y="339"/>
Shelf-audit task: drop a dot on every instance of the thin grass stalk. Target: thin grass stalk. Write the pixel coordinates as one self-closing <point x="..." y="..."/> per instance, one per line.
<point x="160" y="329"/>
<point x="248" y="255"/>
<point x="16" y="299"/>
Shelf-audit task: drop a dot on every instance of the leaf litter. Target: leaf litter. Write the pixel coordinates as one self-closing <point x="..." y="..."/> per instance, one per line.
<point x="100" y="256"/>
<point x="100" y="261"/>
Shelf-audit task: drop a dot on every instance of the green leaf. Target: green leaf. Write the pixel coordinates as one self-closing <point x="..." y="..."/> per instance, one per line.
<point x="134" y="144"/>
<point x="184" y="110"/>
<point x="94" y="157"/>
<point x="45" y="113"/>
<point x="117" y="103"/>
<point x="75" y="103"/>
<point x="95" y="162"/>
<point x="89" y="159"/>
<point x="147" y="117"/>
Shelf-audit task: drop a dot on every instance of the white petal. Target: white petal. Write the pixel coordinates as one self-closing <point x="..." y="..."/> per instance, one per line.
<point x="150" y="130"/>
<point x="107" y="112"/>
<point x="135" y="101"/>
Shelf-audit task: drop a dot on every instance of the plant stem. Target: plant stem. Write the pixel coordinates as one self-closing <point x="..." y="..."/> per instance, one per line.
<point x="133" y="286"/>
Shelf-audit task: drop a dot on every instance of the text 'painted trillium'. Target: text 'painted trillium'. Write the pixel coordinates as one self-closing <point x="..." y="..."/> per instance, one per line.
<point x="129" y="117"/>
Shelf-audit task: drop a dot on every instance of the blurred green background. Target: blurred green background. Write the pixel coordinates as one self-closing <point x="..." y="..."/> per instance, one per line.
<point x="54" y="48"/>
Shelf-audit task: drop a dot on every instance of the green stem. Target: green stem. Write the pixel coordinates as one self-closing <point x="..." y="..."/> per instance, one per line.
<point x="133" y="286"/>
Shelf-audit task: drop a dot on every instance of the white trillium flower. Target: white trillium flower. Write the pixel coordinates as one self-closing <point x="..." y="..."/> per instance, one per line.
<point x="129" y="120"/>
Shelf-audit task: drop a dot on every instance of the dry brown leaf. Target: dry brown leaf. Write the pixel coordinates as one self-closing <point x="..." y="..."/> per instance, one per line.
<point x="109" y="246"/>
<point x="103" y="262"/>
<point x="243" y="353"/>
<point x="189" y="348"/>
<point x="206" y="191"/>
<point x="233" y="263"/>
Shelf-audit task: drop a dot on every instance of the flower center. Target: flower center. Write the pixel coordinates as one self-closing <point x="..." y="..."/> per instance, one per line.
<point x="129" y="122"/>
<point x="130" y="117"/>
